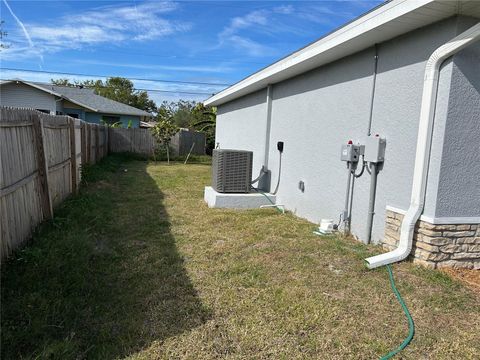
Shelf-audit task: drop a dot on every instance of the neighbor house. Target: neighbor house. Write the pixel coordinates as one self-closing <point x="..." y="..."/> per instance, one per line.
<point x="77" y="102"/>
<point x="371" y="77"/>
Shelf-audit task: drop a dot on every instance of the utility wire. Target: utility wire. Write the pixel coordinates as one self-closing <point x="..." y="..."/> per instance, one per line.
<point x="171" y="57"/>
<point x="137" y="89"/>
<point x="107" y="76"/>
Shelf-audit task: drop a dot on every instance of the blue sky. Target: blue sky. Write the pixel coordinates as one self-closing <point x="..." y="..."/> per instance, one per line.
<point x="192" y="41"/>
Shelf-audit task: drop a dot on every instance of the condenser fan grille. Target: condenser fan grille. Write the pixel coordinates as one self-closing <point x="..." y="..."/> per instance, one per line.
<point x="231" y="170"/>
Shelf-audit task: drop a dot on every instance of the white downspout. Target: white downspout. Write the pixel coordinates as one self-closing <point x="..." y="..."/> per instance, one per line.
<point x="424" y="139"/>
<point x="268" y="126"/>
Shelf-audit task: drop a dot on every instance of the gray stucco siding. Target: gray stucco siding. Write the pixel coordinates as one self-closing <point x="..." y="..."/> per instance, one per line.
<point x="314" y="113"/>
<point x="21" y="95"/>
<point x="459" y="180"/>
<point x="242" y="125"/>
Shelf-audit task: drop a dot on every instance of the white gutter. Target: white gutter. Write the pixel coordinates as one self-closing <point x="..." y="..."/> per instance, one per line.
<point x="424" y="139"/>
<point x="373" y="27"/>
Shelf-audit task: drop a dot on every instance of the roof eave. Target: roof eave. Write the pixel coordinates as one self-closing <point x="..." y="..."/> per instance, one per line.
<point x="353" y="37"/>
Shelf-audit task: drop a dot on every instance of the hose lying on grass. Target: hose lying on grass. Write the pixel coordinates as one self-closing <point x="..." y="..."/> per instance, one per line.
<point x="271" y="202"/>
<point x="411" y="325"/>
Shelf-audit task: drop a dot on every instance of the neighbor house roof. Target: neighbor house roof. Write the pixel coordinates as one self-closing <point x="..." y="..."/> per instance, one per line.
<point x="382" y="23"/>
<point x="86" y="98"/>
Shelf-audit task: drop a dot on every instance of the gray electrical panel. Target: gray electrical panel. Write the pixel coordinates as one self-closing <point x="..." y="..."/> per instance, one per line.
<point x="351" y="152"/>
<point x="375" y="149"/>
<point x="232" y="170"/>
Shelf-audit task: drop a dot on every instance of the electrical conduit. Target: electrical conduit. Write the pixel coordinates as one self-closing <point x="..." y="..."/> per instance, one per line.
<point x="424" y="139"/>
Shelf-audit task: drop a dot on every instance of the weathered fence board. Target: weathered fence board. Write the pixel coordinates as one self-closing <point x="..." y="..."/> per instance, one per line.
<point x="141" y="141"/>
<point x="40" y="165"/>
<point x="41" y="157"/>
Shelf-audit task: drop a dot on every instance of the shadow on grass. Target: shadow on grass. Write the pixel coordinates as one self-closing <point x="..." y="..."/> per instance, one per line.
<point x="104" y="279"/>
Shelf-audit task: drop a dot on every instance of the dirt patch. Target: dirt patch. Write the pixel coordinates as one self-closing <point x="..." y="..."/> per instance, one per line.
<point x="471" y="278"/>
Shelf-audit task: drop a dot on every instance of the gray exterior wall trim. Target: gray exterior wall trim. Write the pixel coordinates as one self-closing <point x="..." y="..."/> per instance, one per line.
<point x="315" y="112"/>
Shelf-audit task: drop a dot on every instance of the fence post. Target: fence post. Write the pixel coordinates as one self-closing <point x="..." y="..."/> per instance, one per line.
<point x="46" y="199"/>
<point x="87" y="143"/>
<point x="83" y="148"/>
<point x="73" y="156"/>
<point x="97" y="143"/>
<point x="105" y="140"/>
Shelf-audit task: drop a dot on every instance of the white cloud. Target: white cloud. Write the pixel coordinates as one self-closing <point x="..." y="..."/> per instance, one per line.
<point x="20" y="23"/>
<point x="284" y="9"/>
<point x="229" y="36"/>
<point x="271" y="23"/>
<point x="107" y="24"/>
<point x="258" y="17"/>
<point x="252" y="47"/>
<point x="31" y="50"/>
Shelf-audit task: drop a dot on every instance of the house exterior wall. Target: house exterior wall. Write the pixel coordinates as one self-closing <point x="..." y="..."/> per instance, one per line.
<point x="21" y="95"/>
<point x="78" y="111"/>
<point x="316" y="112"/>
<point x="460" y="161"/>
<point x="241" y="125"/>
<point x="96" y="118"/>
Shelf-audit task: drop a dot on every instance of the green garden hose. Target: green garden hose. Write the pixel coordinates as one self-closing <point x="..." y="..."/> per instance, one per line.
<point x="271" y="202"/>
<point x="411" y="325"/>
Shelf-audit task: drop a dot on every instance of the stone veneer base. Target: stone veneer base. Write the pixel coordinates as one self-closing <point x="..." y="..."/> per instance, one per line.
<point x="437" y="246"/>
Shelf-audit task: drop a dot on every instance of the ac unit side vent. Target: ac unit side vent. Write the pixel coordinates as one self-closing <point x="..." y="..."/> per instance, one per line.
<point x="232" y="170"/>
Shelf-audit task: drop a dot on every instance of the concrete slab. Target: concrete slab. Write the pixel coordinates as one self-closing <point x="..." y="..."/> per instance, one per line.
<point x="253" y="200"/>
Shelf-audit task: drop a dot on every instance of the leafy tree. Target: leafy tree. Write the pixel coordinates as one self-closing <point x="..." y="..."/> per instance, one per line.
<point x="115" y="88"/>
<point x="207" y="120"/>
<point x="191" y="115"/>
<point x="163" y="131"/>
<point x="3" y="34"/>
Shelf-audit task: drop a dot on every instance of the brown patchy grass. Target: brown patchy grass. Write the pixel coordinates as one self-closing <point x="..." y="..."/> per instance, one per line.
<point x="164" y="277"/>
<point x="470" y="278"/>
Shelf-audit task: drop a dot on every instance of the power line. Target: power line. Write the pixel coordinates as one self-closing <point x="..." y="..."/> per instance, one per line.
<point x="141" y="53"/>
<point x="137" y="89"/>
<point x="107" y="76"/>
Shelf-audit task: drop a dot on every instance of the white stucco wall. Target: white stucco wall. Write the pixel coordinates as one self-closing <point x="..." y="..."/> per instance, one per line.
<point x="316" y="112"/>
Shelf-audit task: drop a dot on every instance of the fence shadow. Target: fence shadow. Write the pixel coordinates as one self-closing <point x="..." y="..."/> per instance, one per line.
<point x="104" y="279"/>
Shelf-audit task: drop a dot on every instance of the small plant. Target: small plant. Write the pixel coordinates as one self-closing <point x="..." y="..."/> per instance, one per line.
<point x="163" y="132"/>
<point x="117" y="124"/>
<point x="130" y="124"/>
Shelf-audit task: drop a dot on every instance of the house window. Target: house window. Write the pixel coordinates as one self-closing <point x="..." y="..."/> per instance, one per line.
<point x="110" y="120"/>
<point x="73" y="115"/>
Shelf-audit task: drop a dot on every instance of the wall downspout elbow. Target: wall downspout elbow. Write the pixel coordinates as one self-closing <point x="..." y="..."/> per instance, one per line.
<point x="422" y="157"/>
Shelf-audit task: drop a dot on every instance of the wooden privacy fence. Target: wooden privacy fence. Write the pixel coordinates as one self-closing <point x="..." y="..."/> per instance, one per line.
<point x="40" y="161"/>
<point x="141" y="141"/>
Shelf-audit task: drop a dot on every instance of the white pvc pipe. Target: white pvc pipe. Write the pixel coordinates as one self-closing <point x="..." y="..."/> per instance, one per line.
<point x="268" y="126"/>
<point x="424" y="140"/>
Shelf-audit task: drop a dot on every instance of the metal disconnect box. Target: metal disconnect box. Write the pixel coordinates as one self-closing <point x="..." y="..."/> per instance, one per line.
<point x="232" y="170"/>
<point x="375" y="149"/>
<point x="351" y="153"/>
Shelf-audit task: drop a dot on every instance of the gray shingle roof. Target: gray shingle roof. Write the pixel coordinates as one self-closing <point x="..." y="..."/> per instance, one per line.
<point x="88" y="98"/>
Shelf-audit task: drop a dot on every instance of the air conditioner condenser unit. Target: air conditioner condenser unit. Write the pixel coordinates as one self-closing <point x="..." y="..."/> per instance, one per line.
<point x="232" y="170"/>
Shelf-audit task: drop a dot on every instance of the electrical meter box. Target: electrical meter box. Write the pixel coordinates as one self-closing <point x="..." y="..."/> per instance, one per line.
<point x="351" y="152"/>
<point x="375" y="149"/>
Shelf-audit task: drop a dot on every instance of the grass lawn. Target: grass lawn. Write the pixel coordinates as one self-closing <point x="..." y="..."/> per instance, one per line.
<point x="138" y="267"/>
